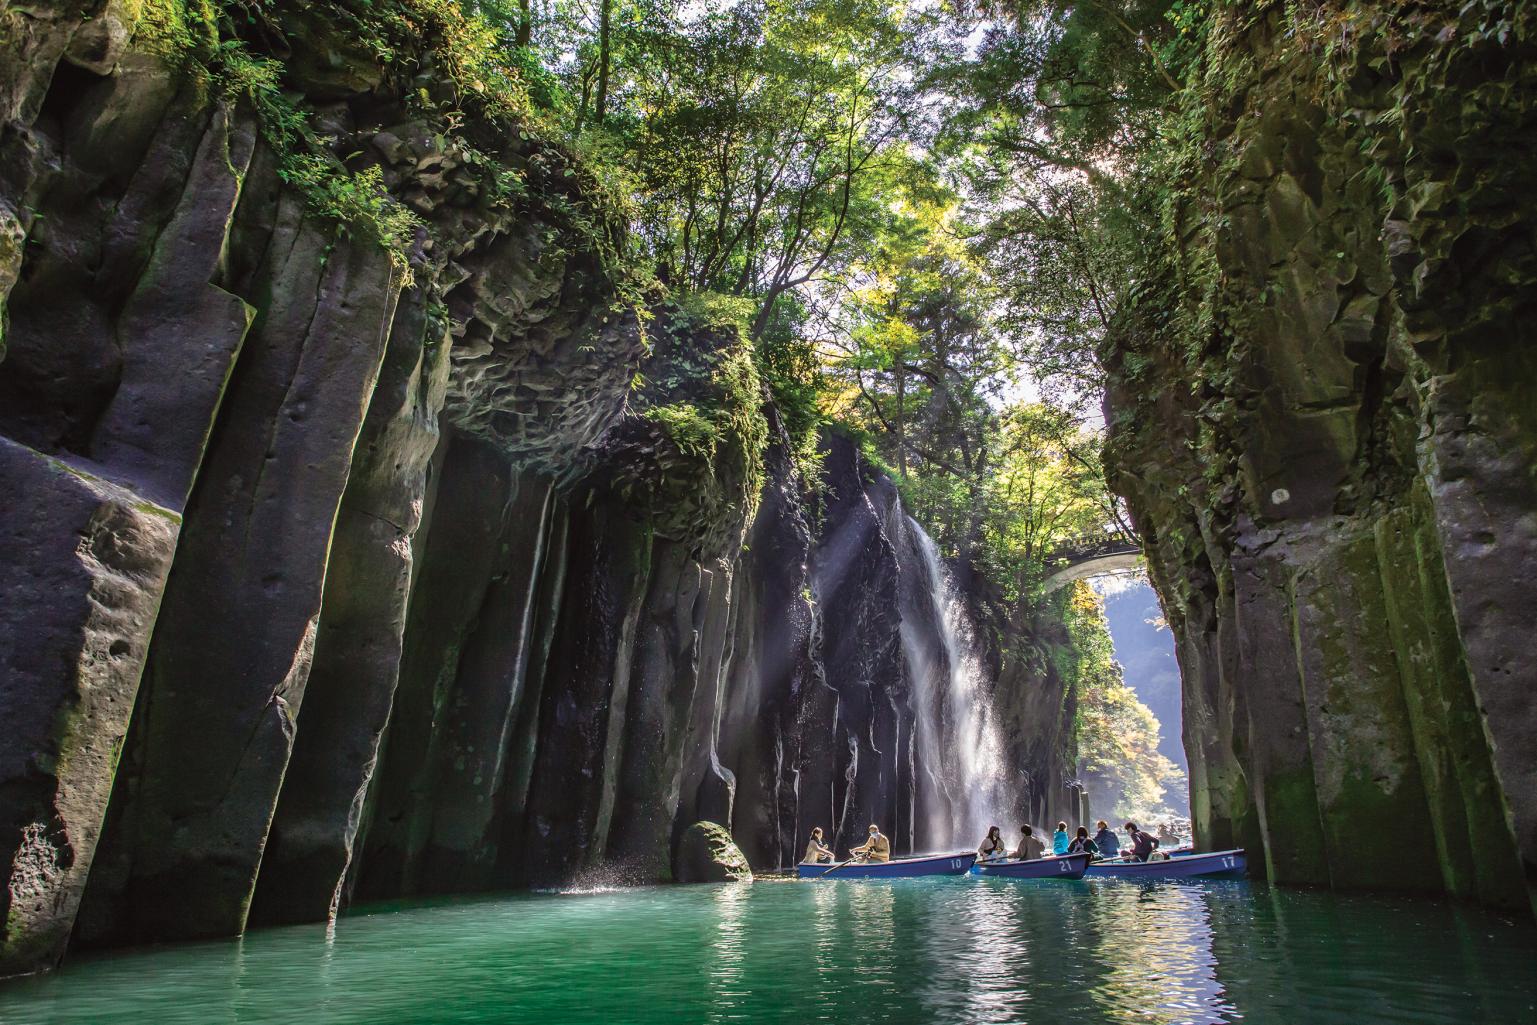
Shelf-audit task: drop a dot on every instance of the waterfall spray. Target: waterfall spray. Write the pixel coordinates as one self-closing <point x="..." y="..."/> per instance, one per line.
<point x="966" y="784"/>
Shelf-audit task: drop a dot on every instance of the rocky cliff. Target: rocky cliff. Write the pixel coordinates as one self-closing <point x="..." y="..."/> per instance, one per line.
<point x="370" y="534"/>
<point x="1321" y="414"/>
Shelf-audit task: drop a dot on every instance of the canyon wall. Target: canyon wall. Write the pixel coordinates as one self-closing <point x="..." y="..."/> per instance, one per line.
<point x="370" y="532"/>
<point x="1321" y="413"/>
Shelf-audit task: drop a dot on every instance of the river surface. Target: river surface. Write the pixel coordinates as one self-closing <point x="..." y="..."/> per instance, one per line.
<point x="906" y="951"/>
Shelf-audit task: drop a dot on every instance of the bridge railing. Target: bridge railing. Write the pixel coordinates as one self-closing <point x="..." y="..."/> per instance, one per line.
<point x="1092" y="547"/>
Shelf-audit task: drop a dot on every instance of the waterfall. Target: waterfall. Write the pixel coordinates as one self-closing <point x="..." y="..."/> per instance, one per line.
<point x="965" y="784"/>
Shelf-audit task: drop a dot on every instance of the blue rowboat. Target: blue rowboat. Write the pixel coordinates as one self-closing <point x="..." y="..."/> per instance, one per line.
<point x="1216" y="865"/>
<point x="1069" y="866"/>
<point x="898" y="868"/>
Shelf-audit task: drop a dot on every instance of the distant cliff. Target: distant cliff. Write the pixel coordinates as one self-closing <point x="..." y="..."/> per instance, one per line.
<point x="1321" y="412"/>
<point x="370" y="532"/>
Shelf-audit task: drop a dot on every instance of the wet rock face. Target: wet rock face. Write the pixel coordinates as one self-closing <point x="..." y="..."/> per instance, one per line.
<point x="82" y="566"/>
<point x="1321" y="415"/>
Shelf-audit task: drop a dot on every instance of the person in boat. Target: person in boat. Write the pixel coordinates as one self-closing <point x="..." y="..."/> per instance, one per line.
<point x="1105" y="839"/>
<point x="993" y="848"/>
<point x="1083" y="845"/>
<point x="1142" y="844"/>
<point x="1030" y="847"/>
<point x="1166" y="835"/>
<point x="817" y="853"/>
<point x="877" y="848"/>
<point x="1059" y="840"/>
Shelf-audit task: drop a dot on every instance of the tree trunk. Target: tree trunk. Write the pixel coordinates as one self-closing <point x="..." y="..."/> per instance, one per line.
<point x="605" y="53"/>
<point x="525" y="33"/>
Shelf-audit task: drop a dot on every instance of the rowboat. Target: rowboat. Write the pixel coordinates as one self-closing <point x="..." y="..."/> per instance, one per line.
<point x="898" y="868"/>
<point x="1068" y="866"/>
<point x="1215" y="865"/>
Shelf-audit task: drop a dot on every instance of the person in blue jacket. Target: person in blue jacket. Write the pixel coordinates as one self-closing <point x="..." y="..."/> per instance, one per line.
<point x="1059" y="840"/>
<point x="1105" y="839"/>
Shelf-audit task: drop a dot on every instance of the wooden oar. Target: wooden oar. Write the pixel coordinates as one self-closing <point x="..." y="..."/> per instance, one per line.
<point x="840" y="865"/>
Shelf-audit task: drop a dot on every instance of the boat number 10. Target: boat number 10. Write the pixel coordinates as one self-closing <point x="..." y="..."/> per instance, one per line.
<point x="957" y="863"/>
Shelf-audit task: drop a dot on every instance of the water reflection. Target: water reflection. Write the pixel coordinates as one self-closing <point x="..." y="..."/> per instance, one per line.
<point x="730" y="952"/>
<point x="1155" y="945"/>
<point x="1373" y="959"/>
<point x="909" y="951"/>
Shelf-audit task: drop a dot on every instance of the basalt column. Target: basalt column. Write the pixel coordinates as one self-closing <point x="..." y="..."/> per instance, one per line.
<point x="855" y="577"/>
<point x="468" y="608"/>
<point x="775" y="672"/>
<point x="106" y="401"/>
<point x="214" y="725"/>
<point x="358" y="645"/>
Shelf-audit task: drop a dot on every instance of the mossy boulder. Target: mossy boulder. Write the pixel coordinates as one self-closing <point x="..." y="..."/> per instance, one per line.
<point x="707" y="854"/>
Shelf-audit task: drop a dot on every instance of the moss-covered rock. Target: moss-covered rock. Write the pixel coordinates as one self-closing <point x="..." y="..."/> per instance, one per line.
<point x="707" y="854"/>
<point x="688" y="454"/>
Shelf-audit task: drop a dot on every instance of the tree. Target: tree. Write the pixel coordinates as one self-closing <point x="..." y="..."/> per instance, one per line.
<point x="1056" y="125"/>
<point x="1117" y="734"/>
<point x="768" y="130"/>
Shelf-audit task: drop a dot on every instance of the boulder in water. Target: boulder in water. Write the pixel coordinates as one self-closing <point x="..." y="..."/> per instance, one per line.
<point x="707" y="854"/>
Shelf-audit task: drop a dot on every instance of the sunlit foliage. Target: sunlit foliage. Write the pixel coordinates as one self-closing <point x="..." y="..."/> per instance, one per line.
<point x="1126" y="775"/>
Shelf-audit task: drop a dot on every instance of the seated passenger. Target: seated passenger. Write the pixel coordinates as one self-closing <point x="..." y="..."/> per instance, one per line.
<point x="1105" y="839"/>
<point x="1059" y="840"/>
<point x="1083" y="845"/>
<point x="877" y="848"/>
<point x="1142" y="844"/>
<point x="1029" y="847"/>
<point x="817" y="853"/>
<point x="992" y="849"/>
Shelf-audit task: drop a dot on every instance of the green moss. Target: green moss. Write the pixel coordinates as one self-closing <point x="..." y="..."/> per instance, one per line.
<point x="707" y="853"/>
<point x="151" y="509"/>
<point x="102" y="484"/>
<point x="173" y="29"/>
<point x="690" y="428"/>
<point x="697" y="467"/>
<point x="1294" y="851"/>
<point x="197" y="37"/>
<point x="718" y="403"/>
<point x="475" y="87"/>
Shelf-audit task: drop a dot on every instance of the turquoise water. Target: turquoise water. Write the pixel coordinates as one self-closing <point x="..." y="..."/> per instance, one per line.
<point x="906" y="951"/>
